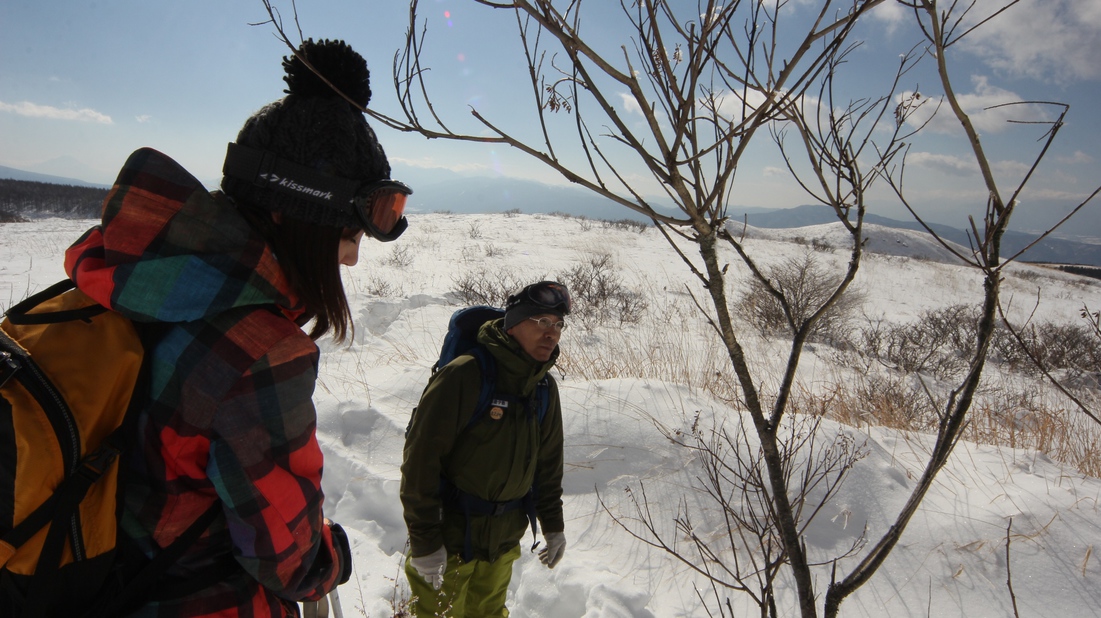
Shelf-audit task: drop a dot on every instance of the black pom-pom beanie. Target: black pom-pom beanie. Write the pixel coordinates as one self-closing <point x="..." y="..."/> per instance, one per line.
<point x="314" y="126"/>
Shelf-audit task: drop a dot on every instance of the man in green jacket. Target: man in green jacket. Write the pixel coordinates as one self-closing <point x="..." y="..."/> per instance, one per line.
<point x="468" y="489"/>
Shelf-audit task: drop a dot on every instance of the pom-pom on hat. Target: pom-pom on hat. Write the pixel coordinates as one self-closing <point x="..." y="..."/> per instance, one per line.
<point x="318" y="129"/>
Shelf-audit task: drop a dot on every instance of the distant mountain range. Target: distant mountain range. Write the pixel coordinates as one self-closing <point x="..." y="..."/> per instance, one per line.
<point x="1049" y="250"/>
<point x="462" y="194"/>
<point x="14" y="174"/>
<point x="439" y="190"/>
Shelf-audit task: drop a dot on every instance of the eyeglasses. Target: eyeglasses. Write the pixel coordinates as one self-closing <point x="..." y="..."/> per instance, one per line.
<point x="545" y="294"/>
<point x="380" y="207"/>
<point x="547" y="324"/>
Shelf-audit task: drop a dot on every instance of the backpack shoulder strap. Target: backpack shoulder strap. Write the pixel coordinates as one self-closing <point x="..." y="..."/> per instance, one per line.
<point x="487" y="366"/>
<point x="542" y="398"/>
<point x="143" y="584"/>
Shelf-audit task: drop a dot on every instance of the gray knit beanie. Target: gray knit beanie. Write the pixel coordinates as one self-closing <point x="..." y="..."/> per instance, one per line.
<point x="313" y="126"/>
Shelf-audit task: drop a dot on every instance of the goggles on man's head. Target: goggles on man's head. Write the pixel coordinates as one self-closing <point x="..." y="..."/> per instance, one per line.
<point x="548" y="295"/>
<point x="379" y="206"/>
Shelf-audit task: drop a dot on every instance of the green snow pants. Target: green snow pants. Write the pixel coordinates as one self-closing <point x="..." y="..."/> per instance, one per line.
<point x="475" y="589"/>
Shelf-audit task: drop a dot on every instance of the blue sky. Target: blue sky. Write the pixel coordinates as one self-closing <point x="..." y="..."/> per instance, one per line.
<point x="84" y="83"/>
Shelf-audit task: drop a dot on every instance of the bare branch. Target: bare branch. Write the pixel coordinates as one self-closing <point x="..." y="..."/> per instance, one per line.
<point x="1043" y="368"/>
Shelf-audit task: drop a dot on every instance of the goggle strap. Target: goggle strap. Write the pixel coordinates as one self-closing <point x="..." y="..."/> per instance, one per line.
<point x="264" y="169"/>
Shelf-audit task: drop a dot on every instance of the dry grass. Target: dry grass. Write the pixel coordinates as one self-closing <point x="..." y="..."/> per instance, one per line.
<point x="1009" y="414"/>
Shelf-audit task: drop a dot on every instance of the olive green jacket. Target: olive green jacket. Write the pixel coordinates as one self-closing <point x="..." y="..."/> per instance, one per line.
<point x="497" y="459"/>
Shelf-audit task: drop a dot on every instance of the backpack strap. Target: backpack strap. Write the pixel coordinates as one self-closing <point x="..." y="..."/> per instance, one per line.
<point x="487" y="366"/>
<point x="55" y="510"/>
<point x="471" y="505"/>
<point x="141" y="586"/>
<point x="143" y="579"/>
<point x="18" y="313"/>
<point x="542" y="398"/>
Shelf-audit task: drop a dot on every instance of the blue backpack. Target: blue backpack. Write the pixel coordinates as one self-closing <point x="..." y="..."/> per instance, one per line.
<point x="462" y="338"/>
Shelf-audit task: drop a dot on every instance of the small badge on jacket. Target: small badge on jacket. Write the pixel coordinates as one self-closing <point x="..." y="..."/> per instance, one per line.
<point x="497" y="409"/>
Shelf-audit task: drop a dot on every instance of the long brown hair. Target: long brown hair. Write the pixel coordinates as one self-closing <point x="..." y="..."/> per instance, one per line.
<point x="309" y="256"/>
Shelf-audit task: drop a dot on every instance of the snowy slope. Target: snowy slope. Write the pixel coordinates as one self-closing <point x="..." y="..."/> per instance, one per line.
<point x="952" y="558"/>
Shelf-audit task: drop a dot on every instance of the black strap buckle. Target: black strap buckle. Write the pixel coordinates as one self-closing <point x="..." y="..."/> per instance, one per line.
<point x="97" y="462"/>
<point x="8" y="367"/>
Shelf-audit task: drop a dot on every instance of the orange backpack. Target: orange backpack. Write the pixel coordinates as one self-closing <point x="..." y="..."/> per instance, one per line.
<point x="68" y="370"/>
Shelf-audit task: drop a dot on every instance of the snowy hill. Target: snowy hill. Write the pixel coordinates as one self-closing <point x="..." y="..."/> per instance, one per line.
<point x="1073" y="243"/>
<point x="881" y="239"/>
<point x="625" y="387"/>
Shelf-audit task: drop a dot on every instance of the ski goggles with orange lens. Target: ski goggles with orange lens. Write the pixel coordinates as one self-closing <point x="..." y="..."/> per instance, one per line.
<point x="549" y="295"/>
<point x="380" y="207"/>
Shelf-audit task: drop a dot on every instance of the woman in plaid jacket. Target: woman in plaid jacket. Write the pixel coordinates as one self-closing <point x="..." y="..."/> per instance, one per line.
<point x="228" y="280"/>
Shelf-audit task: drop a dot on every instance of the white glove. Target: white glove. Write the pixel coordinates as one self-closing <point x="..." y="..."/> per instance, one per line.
<point x="555" y="549"/>
<point x="431" y="567"/>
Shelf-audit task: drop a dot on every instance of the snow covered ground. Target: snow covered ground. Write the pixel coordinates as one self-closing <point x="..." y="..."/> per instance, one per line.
<point x="620" y="384"/>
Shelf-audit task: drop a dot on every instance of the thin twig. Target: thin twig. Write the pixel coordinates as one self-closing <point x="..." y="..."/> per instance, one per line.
<point x="1008" y="572"/>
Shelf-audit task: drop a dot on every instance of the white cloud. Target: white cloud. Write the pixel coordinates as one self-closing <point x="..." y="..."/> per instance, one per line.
<point x="892" y="14"/>
<point x="630" y="105"/>
<point x="1012" y="169"/>
<point x="1077" y="157"/>
<point x="731" y="106"/>
<point x="144" y="118"/>
<point x="1009" y="173"/>
<point x="427" y="162"/>
<point x="947" y="164"/>
<point x="32" y="110"/>
<point x="990" y="108"/>
<point x="1049" y="194"/>
<point x="772" y="5"/>
<point x="1053" y="40"/>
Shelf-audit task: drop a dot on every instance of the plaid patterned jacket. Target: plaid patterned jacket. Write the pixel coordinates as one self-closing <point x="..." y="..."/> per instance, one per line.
<point x="231" y="417"/>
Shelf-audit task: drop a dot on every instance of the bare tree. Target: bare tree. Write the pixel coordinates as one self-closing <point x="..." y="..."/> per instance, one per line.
<point x="707" y="77"/>
<point x="944" y="27"/>
<point x="805" y="284"/>
<point x="740" y="549"/>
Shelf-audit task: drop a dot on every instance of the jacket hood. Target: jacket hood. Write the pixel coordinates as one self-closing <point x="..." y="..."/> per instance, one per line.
<point x="168" y="250"/>
<point x="514" y="365"/>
